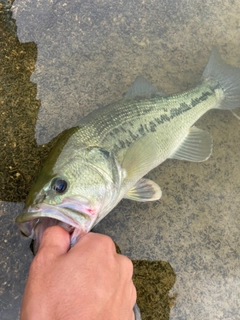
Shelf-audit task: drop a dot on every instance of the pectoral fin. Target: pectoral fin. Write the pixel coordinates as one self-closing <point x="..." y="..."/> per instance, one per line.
<point x="140" y="157"/>
<point x="196" y="147"/>
<point x="144" y="190"/>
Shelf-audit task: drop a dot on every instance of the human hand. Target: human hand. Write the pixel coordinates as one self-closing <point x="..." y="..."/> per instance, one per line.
<point x="89" y="281"/>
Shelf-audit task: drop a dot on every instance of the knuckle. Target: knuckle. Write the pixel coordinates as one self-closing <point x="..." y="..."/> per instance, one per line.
<point x="106" y="242"/>
<point x="134" y="294"/>
<point x="106" y="239"/>
<point x="109" y="243"/>
<point x="127" y="264"/>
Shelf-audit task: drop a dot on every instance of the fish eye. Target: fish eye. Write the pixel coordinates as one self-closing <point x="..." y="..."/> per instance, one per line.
<point x="59" y="185"/>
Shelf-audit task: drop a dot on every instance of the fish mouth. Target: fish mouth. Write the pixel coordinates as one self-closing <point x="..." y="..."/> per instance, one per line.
<point x="34" y="220"/>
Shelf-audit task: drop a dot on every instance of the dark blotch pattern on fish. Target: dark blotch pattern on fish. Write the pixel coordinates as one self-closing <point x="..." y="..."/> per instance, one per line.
<point x="116" y="131"/>
<point x="163" y="118"/>
<point x="122" y="145"/>
<point x="141" y="130"/>
<point x="105" y="152"/>
<point x="170" y="113"/>
<point x="202" y="98"/>
<point x="183" y="107"/>
<point x="146" y="127"/>
<point x="132" y="135"/>
<point x="152" y="126"/>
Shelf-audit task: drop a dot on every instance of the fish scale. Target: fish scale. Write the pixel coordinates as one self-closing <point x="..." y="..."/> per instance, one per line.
<point x="121" y="124"/>
<point x="105" y="158"/>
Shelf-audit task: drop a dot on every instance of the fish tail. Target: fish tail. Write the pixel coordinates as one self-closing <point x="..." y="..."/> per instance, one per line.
<point x="226" y="80"/>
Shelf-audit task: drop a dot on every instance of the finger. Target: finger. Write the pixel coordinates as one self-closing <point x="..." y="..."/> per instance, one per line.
<point x="133" y="316"/>
<point x="134" y="294"/>
<point x="55" y="241"/>
<point x="93" y="241"/>
<point x="126" y="266"/>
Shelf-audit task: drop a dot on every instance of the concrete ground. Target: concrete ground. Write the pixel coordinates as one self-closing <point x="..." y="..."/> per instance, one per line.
<point x="86" y="54"/>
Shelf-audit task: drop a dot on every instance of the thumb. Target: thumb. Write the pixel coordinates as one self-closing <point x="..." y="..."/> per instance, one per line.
<point x="55" y="240"/>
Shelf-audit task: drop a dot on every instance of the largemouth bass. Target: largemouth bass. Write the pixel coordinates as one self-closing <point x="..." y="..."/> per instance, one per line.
<point x="105" y="158"/>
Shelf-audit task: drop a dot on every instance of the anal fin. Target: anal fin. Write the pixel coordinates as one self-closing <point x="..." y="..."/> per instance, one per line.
<point x="196" y="147"/>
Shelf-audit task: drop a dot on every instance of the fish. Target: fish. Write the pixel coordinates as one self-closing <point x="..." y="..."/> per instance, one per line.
<point x="106" y="156"/>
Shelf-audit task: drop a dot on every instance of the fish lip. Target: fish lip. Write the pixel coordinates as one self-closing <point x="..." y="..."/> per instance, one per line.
<point x="29" y="219"/>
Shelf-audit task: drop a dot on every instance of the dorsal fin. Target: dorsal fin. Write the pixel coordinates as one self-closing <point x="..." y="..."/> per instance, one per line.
<point x="141" y="87"/>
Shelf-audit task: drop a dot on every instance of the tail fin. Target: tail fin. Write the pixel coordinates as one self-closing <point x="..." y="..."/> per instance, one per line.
<point x="227" y="77"/>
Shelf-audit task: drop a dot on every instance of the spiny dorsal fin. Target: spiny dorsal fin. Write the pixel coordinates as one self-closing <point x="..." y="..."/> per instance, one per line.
<point x="144" y="190"/>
